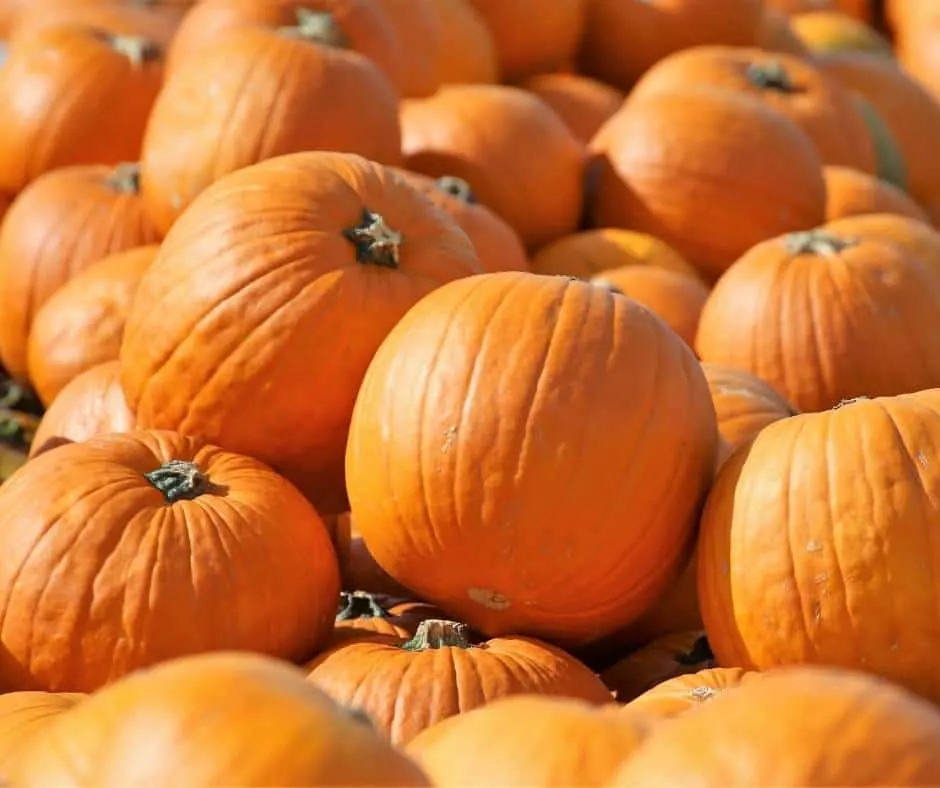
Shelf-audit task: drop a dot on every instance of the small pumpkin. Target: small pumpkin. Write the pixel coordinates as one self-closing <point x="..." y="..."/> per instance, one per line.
<point x="584" y="104"/>
<point x="687" y="691"/>
<point x="24" y="715"/>
<point x="361" y="612"/>
<point x="154" y="545"/>
<point x="476" y="132"/>
<point x="528" y="740"/>
<point x="57" y="227"/>
<point x="466" y="52"/>
<point x="405" y="686"/>
<point x="853" y="193"/>
<point x="831" y="31"/>
<point x="663" y="659"/>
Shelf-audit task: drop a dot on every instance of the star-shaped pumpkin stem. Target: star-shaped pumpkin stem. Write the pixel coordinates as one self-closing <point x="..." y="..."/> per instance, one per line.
<point x="376" y="243"/>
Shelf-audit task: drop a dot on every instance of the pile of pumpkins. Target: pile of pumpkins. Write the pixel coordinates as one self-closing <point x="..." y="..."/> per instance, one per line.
<point x="470" y="392"/>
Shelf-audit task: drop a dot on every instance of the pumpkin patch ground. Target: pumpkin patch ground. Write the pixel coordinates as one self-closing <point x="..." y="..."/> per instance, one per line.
<point x="469" y="393"/>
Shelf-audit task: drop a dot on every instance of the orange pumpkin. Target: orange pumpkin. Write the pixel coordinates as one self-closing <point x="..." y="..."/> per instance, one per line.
<point x="82" y="324"/>
<point x="789" y="84"/>
<point x="677" y="163"/>
<point x="584" y="104"/>
<point x="853" y="193"/>
<point x="663" y="659"/>
<point x="859" y="9"/>
<point x="675" y="298"/>
<point x="831" y="31"/>
<point x="777" y="524"/>
<point x="362" y="613"/>
<point x="91" y="404"/>
<point x="918" y="239"/>
<point x="624" y="38"/>
<point x="851" y="729"/>
<point x="466" y="52"/>
<point x="57" y="227"/>
<point x="224" y="719"/>
<point x="687" y="691"/>
<point x="614" y="438"/>
<point x="24" y="715"/>
<point x="416" y="25"/>
<point x="407" y="686"/>
<point x="528" y="740"/>
<point x="50" y="123"/>
<point x="359" y="569"/>
<point x="811" y="313"/>
<point x="918" y="54"/>
<point x="474" y="132"/>
<point x="269" y="94"/>
<point x="128" y="550"/>
<point x="356" y="248"/>
<point x="776" y="34"/>
<point x="588" y="253"/>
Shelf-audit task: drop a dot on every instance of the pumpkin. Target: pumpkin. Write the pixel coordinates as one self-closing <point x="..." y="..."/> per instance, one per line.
<point x="528" y="740"/>
<point x="55" y="115"/>
<point x="269" y="94"/>
<point x="82" y="324"/>
<point x="476" y="133"/>
<point x="466" y="52"/>
<point x="911" y="114"/>
<point x="624" y="38"/>
<point x="584" y="104"/>
<point x="57" y="227"/>
<point x="853" y="193"/>
<point x="358" y="568"/>
<point x="356" y="248"/>
<point x="675" y="298"/>
<point x="91" y="404"/>
<point x="822" y="555"/>
<point x="851" y="729"/>
<point x="611" y="436"/>
<point x="808" y="312"/>
<point x="918" y="239"/>
<point x="687" y="691"/>
<point x="588" y="253"/>
<point x="12" y="458"/>
<point x="361" y="612"/>
<point x="776" y="34"/>
<point x="676" y="163"/>
<point x="889" y="163"/>
<point x="497" y="245"/>
<point x="790" y="84"/>
<point x="209" y="720"/>
<point x="23" y="715"/>
<point x="917" y="53"/>
<point x="859" y="9"/>
<point x="830" y="31"/>
<point x="405" y="686"/>
<point x="416" y="25"/>
<point x="532" y="36"/>
<point x="128" y="550"/>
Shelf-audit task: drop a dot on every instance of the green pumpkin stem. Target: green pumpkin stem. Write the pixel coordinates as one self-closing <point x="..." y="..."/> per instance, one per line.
<point x="434" y="633"/>
<point x="376" y="243"/>
<point x="125" y="178"/>
<point x="818" y="242"/>
<point x="457" y="187"/>
<point x="770" y="76"/>
<point x="178" y="480"/>
<point x="359" y="604"/>
<point x="317" y="27"/>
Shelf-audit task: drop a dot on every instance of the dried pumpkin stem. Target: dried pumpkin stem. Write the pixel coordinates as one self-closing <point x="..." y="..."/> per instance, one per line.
<point x="359" y="604"/>
<point x="125" y="178"/>
<point x="457" y="187"/>
<point x="178" y="480"/>
<point x="137" y="49"/>
<point x="818" y="242"/>
<point x="770" y="76"/>
<point x="433" y="633"/>
<point x="317" y="27"/>
<point x="376" y="243"/>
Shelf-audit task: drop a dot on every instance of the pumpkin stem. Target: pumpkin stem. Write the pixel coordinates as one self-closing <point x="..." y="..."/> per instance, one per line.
<point x="701" y="651"/>
<point x="846" y="402"/>
<point x="433" y="633"/>
<point x="125" y="178"/>
<point x="359" y="604"/>
<point x="317" y="27"/>
<point x="137" y="49"/>
<point x="376" y="243"/>
<point x="818" y="242"/>
<point x="457" y="187"/>
<point x="178" y="480"/>
<point x="770" y="76"/>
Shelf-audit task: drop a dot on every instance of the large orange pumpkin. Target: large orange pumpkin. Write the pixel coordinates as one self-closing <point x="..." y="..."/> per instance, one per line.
<point x="580" y="384"/>
<point x="60" y="225"/>
<point x="853" y="193"/>
<point x="677" y="163"/>
<point x="407" y="686"/>
<point x="74" y="95"/>
<point x="82" y="324"/>
<point x="257" y="94"/>
<point x="850" y="729"/>
<point x="210" y="720"/>
<point x="584" y="104"/>
<point x="24" y="715"/>
<point x="825" y="515"/>
<point x="517" y="155"/>
<point x="466" y="51"/>
<point x="687" y="691"/>
<point x="814" y="313"/>
<point x="528" y="740"/>
<point x="819" y="105"/>
<point x="128" y="550"/>
<point x="314" y="250"/>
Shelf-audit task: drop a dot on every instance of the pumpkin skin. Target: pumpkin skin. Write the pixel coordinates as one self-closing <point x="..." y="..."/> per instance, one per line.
<point x="819" y="105"/>
<point x="920" y="240"/>
<point x="659" y="172"/>
<point x="804" y="311"/>
<point x="805" y="558"/>
<point x="591" y="252"/>
<point x="466" y="52"/>
<point x="267" y="96"/>
<point x="675" y="298"/>
<point x="82" y="324"/>
<point x="528" y="740"/>
<point x="859" y="9"/>
<point x="776" y="34"/>
<point x="24" y="715"/>
<point x="55" y="116"/>
<point x="363" y="613"/>
<point x="831" y="31"/>
<point x="444" y="135"/>
<point x="127" y="576"/>
<point x="686" y="692"/>
<point x="893" y="738"/>
<point x="209" y="720"/>
<point x="624" y="38"/>
<point x="477" y="335"/>
<point x="584" y="104"/>
<point x="853" y="193"/>
<point x="89" y="405"/>
<point x="407" y="686"/>
<point x="57" y="227"/>
<point x="247" y="316"/>
<point x="416" y="25"/>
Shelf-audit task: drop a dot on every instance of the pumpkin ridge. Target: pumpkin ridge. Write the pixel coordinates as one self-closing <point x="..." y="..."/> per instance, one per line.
<point x="359" y="604"/>
<point x="178" y="480"/>
<point x="821" y="243"/>
<point x="436" y="633"/>
<point x="376" y="243"/>
<point x="317" y="27"/>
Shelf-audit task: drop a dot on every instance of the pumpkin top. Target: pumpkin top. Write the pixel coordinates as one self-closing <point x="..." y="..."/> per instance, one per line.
<point x="137" y="49"/>
<point x="376" y="243"/>
<point x="359" y="604"/>
<point x="458" y="188"/>
<point x="435" y="633"/>
<point x="125" y="178"/>
<point x="318" y="27"/>
<point x="822" y="243"/>
<point x="771" y="75"/>
<point x="178" y="480"/>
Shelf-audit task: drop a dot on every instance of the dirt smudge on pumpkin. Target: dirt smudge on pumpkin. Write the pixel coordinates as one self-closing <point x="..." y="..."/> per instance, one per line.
<point x="491" y="600"/>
